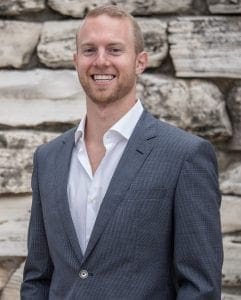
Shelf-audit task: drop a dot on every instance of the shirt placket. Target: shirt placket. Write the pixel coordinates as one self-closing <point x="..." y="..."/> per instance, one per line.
<point x="95" y="194"/>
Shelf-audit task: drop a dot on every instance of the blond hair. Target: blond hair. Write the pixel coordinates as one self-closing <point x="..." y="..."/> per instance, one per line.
<point x="117" y="12"/>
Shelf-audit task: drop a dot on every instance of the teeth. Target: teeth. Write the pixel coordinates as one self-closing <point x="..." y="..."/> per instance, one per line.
<point x="103" y="77"/>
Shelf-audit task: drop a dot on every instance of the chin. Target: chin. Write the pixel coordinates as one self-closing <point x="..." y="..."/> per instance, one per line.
<point x="104" y="101"/>
<point x="102" y="98"/>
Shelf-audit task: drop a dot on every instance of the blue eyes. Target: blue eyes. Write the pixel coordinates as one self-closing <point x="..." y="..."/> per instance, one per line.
<point x="88" y="51"/>
<point x="115" y="50"/>
<point x="93" y="51"/>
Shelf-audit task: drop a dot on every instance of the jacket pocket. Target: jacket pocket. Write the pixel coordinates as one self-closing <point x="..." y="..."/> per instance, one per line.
<point x="138" y="194"/>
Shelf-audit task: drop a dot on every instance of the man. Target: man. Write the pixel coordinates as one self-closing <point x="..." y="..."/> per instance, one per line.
<point x="124" y="206"/>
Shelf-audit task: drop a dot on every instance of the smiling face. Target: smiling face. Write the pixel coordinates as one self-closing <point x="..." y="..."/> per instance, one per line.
<point x="106" y="60"/>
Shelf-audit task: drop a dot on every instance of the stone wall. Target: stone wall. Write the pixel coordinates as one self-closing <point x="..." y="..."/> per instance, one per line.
<point x="193" y="81"/>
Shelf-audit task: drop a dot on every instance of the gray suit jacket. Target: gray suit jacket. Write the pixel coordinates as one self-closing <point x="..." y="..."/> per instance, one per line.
<point x="157" y="234"/>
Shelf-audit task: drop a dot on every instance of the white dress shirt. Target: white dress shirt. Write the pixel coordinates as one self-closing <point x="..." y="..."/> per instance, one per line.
<point x="86" y="190"/>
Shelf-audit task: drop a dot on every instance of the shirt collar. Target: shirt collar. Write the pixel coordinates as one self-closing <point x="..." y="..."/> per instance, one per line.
<point x="124" y="126"/>
<point x="127" y="123"/>
<point x="79" y="133"/>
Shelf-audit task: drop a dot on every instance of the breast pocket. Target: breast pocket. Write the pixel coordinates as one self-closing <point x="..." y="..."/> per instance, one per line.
<point x="153" y="215"/>
<point x="140" y="194"/>
<point x="147" y="203"/>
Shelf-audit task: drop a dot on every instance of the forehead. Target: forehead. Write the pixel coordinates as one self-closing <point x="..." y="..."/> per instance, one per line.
<point x="104" y="27"/>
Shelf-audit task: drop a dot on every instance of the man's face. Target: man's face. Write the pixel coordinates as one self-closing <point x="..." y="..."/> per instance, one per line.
<point x="106" y="61"/>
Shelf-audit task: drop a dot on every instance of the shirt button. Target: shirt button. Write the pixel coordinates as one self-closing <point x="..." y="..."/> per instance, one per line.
<point x="83" y="274"/>
<point x="91" y="199"/>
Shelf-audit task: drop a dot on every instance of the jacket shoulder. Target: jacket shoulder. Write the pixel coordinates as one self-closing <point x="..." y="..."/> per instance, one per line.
<point x="178" y="141"/>
<point x="54" y="144"/>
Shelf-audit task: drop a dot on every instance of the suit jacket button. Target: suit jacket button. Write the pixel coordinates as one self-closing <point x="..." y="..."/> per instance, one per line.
<point x="83" y="274"/>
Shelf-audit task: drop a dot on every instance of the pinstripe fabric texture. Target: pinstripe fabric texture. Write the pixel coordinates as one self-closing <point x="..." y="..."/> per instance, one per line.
<point x="157" y="234"/>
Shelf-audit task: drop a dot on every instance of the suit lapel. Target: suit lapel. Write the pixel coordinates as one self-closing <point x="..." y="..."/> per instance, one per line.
<point x="137" y="150"/>
<point x="62" y="171"/>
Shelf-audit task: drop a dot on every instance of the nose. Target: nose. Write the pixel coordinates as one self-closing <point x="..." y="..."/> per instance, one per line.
<point x="101" y="58"/>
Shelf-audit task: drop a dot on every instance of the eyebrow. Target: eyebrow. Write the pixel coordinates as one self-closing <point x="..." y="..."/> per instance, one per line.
<point x="88" y="44"/>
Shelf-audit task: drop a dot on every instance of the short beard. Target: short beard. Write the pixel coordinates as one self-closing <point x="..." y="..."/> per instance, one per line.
<point x="102" y="99"/>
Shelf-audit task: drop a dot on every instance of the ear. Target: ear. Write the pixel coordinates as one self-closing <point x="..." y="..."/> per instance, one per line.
<point x="141" y="62"/>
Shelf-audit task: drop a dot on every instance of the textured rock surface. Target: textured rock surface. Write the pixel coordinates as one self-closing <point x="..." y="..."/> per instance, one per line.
<point x="15" y="7"/>
<point x="207" y="111"/>
<point x="230" y="297"/>
<point x="226" y="158"/>
<point x="155" y="37"/>
<point x="230" y="214"/>
<point x="22" y="36"/>
<point x="7" y="266"/>
<point x="38" y="97"/>
<point x="148" y="7"/>
<point x="230" y="180"/>
<point x="232" y="261"/>
<point x="15" y="174"/>
<point x="77" y="9"/>
<point x="11" y="291"/>
<point x="57" y="43"/>
<point x="14" y="216"/>
<point x="234" y="106"/>
<point x="206" y="46"/>
<point x="224" y="6"/>
<point x="195" y="105"/>
<point x="24" y="139"/>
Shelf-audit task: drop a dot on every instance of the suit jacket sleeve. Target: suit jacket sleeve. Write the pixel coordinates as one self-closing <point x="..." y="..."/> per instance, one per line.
<point x="38" y="267"/>
<point x="198" y="250"/>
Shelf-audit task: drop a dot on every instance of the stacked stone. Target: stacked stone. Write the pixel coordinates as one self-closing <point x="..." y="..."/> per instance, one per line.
<point x="193" y="81"/>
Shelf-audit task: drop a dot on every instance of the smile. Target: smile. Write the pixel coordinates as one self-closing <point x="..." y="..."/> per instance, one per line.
<point x="102" y="77"/>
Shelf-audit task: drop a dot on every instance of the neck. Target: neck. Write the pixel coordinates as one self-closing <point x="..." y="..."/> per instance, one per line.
<point x="101" y="117"/>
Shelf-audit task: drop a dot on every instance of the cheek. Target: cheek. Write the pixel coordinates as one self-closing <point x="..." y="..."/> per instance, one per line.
<point x="127" y="68"/>
<point x="83" y="65"/>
